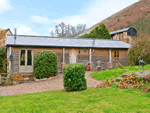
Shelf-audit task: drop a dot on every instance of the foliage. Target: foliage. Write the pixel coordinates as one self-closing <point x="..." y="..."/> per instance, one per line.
<point x="117" y="72"/>
<point x="100" y="32"/>
<point x="3" y="59"/>
<point x="2" y="55"/>
<point x="74" y="77"/>
<point x="45" y="64"/>
<point x="130" y="82"/>
<point x="2" y="37"/>
<point x="141" y="47"/>
<point x="92" y="100"/>
<point x="107" y="83"/>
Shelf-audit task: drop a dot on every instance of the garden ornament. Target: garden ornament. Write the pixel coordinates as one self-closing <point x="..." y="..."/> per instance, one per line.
<point x="141" y="62"/>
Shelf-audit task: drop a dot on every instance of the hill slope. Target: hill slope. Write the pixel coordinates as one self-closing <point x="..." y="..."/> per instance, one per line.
<point x="128" y="17"/>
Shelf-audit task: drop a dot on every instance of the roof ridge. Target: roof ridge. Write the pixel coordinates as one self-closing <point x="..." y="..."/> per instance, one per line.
<point x="62" y="37"/>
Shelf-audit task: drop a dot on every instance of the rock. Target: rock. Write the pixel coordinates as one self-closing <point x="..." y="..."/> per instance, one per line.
<point x="119" y="79"/>
<point x="15" y="83"/>
<point x="50" y="78"/>
<point x="136" y="68"/>
<point x="133" y="73"/>
<point x="26" y="78"/>
<point x="44" y="79"/>
<point x="125" y="75"/>
<point x="37" y="80"/>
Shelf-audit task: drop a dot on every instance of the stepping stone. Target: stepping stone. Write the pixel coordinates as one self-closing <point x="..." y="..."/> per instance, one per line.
<point x="119" y="79"/>
<point x="125" y="75"/>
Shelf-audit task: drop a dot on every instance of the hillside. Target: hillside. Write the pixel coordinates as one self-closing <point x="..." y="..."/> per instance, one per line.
<point x="137" y="13"/>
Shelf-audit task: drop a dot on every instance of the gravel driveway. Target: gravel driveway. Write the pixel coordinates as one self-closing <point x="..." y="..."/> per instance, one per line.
<point x="33" y="87"/>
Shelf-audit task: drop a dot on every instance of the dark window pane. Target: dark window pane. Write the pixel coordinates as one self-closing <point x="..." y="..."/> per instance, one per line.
<point x="22" y="58"/>
<point x="29" y="57"/>
<point x="117" y="53"/>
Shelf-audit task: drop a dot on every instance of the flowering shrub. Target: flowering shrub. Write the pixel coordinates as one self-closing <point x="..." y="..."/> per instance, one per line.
<point x="74" y="77"/>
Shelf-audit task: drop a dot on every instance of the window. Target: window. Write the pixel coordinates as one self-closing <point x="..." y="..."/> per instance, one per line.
<point x="29" y="56"/>
<point x="84" y="50"/>
<point x="22" y="58"/>
<point x="116" y="54"/>
<point x="79" y="50"/>
<point x="26" y="57"/>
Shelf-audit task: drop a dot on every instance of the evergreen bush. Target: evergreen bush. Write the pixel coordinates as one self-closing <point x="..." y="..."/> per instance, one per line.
<point x="45" y="64"/>
<point x="74" y="77"/>
<point x="100" y="32"/>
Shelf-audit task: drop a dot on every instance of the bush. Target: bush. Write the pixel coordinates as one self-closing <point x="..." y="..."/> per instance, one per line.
<point x="100" y="32"/>
<point x="3" y="60"/>
<point x="141" y="47"/>
<point x="74" y="77"/>
<point x="45" y="64"/>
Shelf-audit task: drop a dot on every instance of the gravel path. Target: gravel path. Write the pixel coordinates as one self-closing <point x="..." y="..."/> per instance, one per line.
<point x="33" y="87"/>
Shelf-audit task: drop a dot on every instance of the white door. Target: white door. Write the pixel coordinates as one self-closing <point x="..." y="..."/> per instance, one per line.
<point x="26" y="60"/>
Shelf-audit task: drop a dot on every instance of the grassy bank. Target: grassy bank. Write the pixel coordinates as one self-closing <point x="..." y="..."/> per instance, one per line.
<point x="117" y="72"/>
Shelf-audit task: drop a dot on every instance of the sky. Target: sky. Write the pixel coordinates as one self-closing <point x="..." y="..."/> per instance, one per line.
<point x="39" y="17"/>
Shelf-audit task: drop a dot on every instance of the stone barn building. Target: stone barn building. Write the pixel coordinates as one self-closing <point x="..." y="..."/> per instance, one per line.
<point x="126" y="35"/>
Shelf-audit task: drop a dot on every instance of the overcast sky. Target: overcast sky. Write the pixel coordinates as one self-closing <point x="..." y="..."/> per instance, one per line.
<point x="39" y="17"/>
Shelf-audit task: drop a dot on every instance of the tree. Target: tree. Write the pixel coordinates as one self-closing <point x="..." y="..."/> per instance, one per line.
<point x="68" y="30"/>
<point x="57" y="30"/>
<point x="140" y="47"/>
<point x="52" y="33"/>
<point x="63" y="30"/>
<point x="100" y="32"/>
<point x="73" y="29"/>
<point x="62" y="27"/>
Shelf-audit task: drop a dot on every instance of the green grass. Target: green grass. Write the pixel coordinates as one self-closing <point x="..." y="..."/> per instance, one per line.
<point x="117" y="72"/>
<point x="92" y="100"/>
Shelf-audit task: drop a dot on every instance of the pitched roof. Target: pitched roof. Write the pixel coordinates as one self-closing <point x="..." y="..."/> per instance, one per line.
<point x="37" y="41"/>
<point x="119" y="31"/>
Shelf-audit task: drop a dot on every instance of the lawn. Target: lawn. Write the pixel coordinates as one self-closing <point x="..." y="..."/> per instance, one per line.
<point x="117" y="72"/>
<point x="91" y="100"/>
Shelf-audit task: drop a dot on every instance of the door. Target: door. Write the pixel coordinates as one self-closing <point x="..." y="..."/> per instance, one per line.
<point x="26" y="60"/>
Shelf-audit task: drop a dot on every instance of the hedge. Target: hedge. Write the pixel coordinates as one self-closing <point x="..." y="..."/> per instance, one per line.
<point x="45" y="64"/>
<point x="74" y="77"/>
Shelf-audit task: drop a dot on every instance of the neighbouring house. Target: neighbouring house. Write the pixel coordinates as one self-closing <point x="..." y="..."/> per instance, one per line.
<point x="3" y="34"/>
<point x="126" y="35"/>
<point x="69" y="50"/>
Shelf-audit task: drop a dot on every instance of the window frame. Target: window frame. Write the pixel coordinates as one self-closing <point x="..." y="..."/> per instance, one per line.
<point x="116" y="54"/>
<point x="26" y="57"/>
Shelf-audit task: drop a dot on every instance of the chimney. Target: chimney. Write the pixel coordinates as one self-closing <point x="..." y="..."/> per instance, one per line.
<point x="15" y="35"/>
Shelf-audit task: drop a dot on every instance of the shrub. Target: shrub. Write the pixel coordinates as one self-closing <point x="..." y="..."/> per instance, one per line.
<point x="74" y="77"/>
<point x="100" y="32"/>
<point x="3" y="60"/>
<point x="141" y="47"/>
<point x="45" y="64"/>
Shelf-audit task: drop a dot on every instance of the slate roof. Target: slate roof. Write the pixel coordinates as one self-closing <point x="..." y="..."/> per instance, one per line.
<point x="119" y="31"/>
<point x="38" y="41"/>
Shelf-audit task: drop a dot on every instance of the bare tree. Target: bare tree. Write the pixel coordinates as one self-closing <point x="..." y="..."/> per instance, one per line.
<point x="73" y="29"/>
<point x="57" y="30"/>
<point x="84" y="27"/>
<point x="63" y="30"/>
<point x="52" y="33"/>
<point x="68" y="30"/>
<point x="62" y="27"/>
